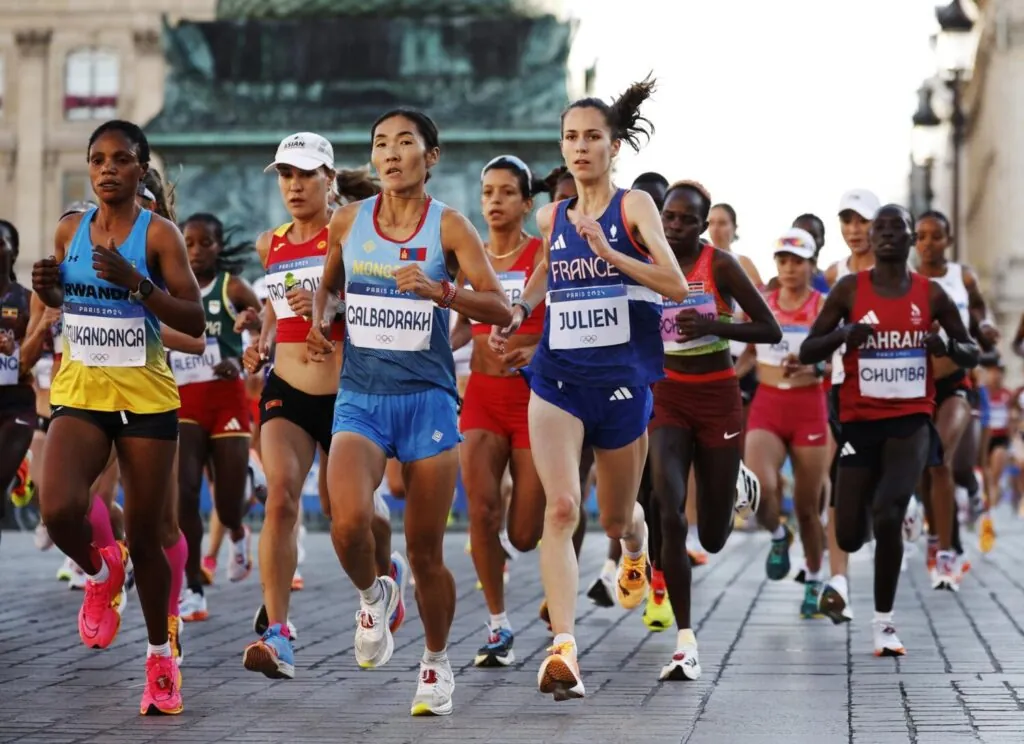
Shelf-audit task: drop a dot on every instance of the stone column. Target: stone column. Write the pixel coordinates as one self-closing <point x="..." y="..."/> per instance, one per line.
<point x="31" y="125"/>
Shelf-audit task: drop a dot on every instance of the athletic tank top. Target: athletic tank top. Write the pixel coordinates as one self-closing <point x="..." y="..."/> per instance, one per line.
<point x="706" y="300"/>
<point x="14" y="314"/>
<point x="221" y="340"/>
<point x="796" y="326"/>
<point x="736" y="348"/>
<point x="602" y="328"/>
<point x="999" y="411"/>
<point x="113" y="358"/>
<point x="953" y="282"/>
<point x="396" y="342"/>
<point x="290" y="264"/>
<point x="513" y="281"/>
<point x="818" y="282"/>
<point x="890" y="375"/>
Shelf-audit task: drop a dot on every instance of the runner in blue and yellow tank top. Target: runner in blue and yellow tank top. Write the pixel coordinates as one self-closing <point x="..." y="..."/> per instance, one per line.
<point x="399" y="253"/>
<point x="609" y="266"/>
<point x="118" y="271"/>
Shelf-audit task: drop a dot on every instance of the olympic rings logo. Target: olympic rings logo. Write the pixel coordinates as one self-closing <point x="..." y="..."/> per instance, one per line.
<point x="588" y="339"/>
<point x="384" y="338"/>
<point x="95" y="357"/>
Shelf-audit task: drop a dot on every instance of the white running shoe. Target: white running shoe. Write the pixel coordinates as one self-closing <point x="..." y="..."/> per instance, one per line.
<point x="192" y="607"/>
<point x="834" y="600"/>
<point x="602" y="591"/>
<point x="77" y="578"/>
<point x="748" y="491"/>
<point x="913" y="521"/>
<point x="240" y="565"/>
<point x="684" y="665"/>
<point x="886" y="642"/>
<point x="41" y="538"/>
<point x="66" y="569"/>
<point x="946" y="571"/>
<point x="374" y="643"/>
<point x="434" y="691"/>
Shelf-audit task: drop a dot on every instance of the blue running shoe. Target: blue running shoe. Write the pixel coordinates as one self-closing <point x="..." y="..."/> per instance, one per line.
<point x="497" y="652"/>
<point x="272" y="654"/>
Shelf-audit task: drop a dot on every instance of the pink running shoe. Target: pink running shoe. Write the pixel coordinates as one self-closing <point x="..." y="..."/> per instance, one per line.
<point x="100" y="616"/>
<point x="208" y="569"/>
<point x="162" y="693"/>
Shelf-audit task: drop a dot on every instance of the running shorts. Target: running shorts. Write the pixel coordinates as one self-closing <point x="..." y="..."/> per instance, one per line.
<point x="748" y="384"/>
<point x="218" y="407"/>
<point x="118" y="424"/>
<point x="499" y="405"/>
<point x="408" y="426"/>
<point x="611" y="417"/>
<point x="955" y="385"/>
<point x="798" y="416"/>
<point x="711" y="409"/>
<point x="861" y="443"/>
<point x="998" y="440"/>
<point x="311" y="413"/>
<point x="833" y="412"/>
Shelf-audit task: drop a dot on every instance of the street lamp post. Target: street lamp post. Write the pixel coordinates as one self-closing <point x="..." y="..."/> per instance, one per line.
<point x="954" y="50"/>
<point x="926" y="142"/>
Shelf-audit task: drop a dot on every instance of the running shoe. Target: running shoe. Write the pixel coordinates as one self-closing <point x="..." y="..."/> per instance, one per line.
<point x="434" y="690"/>
<point x="241" y="557"/>
<point x="684" y="666"/>
<point x="23" y="488"/>
<point x="986" y="534"/>
<point x="834" y="600"/>
<point x="913" y="521"/>
<point x="261" y="622"/>
<point x="930" y="557"/>
<point x="129" y="574"/>
<point x="800" y="577"/>
<point x="602" y="591"/>
<point x="697" y="556"/>
<point x="162" y="693"/>
<point x="374" y="643"/>
<point x="506" y="545"/>
<point x="631" y="583"/>
<point x="886" y="642"/>
<point x="748" y="491"/>
<point x="208" y="569"/>
<point x="193" y="607"/>
<point x="42" y="539"/>
<point x="174" y="629"/>
<point x="545" y="614"/>
<point x="100" y="616"/>
<point x="399" y="572"/>
<point x="809" y="609"/>
<point x="559" y="673"/>
<point x="497" y="652"/>
<point x="777" y="564"/>
<point x="272" y="655"/>
<point x="66" y="568"/>
<point x="658" y="615"/>
<point x="945" y="576"/>
<point x="298" y="583"/>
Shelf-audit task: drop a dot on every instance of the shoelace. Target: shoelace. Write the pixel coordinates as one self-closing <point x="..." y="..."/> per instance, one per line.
<point x="562" y="649"/>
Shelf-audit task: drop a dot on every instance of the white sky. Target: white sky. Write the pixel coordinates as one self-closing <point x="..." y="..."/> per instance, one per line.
<point x="777" y="106"/>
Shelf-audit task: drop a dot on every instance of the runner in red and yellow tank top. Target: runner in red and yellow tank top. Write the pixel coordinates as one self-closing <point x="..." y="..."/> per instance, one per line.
<point x="494" y="407"/>
<point x="214" y="412"/>
<point x="789" y="416"/>
<point x="885" y="317"/>
<point x="698" y="414"/>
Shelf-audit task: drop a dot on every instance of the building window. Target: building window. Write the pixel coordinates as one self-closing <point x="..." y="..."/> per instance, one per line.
<point x="91" y="85"/>
<point x="74" y="187"/>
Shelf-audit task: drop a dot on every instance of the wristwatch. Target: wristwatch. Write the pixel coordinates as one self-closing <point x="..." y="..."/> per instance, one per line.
<point x="143" y="291"/>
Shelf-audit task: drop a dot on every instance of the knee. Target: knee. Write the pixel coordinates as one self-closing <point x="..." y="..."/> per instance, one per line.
<point x="616" y="526"/>
<point x="281" y="508"/>
<point x="943" y="472"/>
<point x="714" y="542"/>
<point x="145" y="537"/>
<point x="485" y="510"/>
<point x="849" y="537"/>
<point x="351" y="528"/>
<point x="56" y="511"/>
<point x="563" y="510"/>
<point x="425" y="553"/>
<point x="887" y="519"/>
<point x="673" y="526"/>
<point x="524" y="538"/>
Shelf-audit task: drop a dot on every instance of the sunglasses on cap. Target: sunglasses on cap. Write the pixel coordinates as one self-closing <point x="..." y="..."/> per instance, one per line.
<point x="512" y="160"/>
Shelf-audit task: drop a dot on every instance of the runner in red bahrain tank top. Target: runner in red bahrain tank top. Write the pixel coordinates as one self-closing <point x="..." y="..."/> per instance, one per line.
<point x="888" y="317"/>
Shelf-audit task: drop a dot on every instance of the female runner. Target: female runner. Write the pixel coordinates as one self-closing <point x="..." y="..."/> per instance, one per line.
<point x="109" y="270"/>
<point x="396" y="256"/>
<point x="884" y="316"/>
<point x="608" y="268"/>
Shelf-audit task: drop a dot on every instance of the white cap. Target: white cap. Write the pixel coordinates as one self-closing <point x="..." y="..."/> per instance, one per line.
<point x="798" y="242"/>
<point x="861" y="201"/>
<point x="305" y="151"/>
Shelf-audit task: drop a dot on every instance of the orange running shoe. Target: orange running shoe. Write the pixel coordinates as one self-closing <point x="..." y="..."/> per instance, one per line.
<point x="631" y="583"/>
<point x="559" y="673"/>
<point x="162" y="693"/>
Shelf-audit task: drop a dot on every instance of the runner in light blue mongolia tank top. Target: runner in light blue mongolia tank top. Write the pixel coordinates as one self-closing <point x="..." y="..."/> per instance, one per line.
<point x="398" y="378"/>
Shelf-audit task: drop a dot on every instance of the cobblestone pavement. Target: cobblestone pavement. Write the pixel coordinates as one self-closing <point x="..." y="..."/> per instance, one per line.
<point x="768" y="676"/>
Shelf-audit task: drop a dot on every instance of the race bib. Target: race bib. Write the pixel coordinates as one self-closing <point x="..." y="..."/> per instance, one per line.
<point x="893" y="374"/>
<point x="775" y="354"/>
<point x="304" y="272"/>
<point x="192" y="368"/>
<point x="44" y="372"/>
<point x="381" y="317"/>
<point x="588" y="317"/>
<point x="998" y="417"/>
<point x="513" y="282"/>
<point x="105" y="336"/>
<point x="9" y="367"/>
<point x="704" y="304"/>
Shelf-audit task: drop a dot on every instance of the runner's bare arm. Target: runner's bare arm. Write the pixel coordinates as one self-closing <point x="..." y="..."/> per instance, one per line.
<point x="988" y="335"/>
<point x="484" y="300"/>
<point x="960" y="348"/>
<point x="179" y="306"/>
<point x="268" y="332"/>
<point x="45" y="281"/>
<point x="35" y="335"/>
<point x="241" y="295"/>
<point x="762" y="327"/>
<point x="178" y="341"/>
<point x="662" y="274"/>
<point x="326" y="299"/>
<point x="828" y="332"/>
